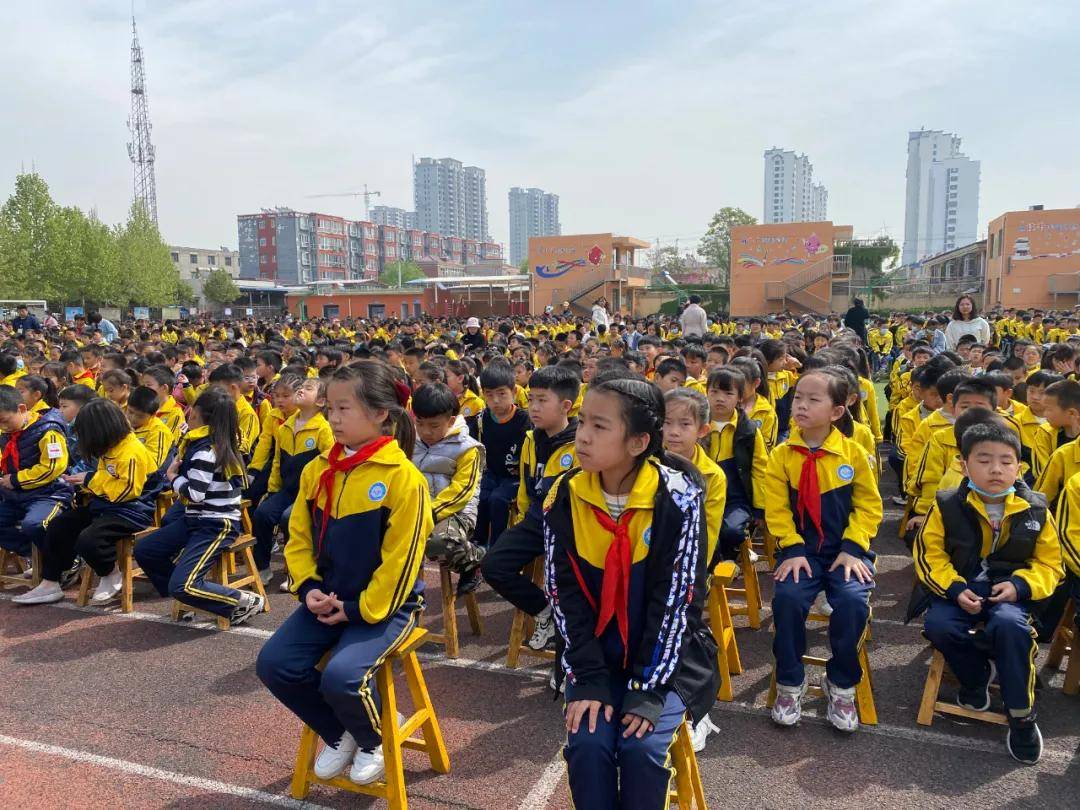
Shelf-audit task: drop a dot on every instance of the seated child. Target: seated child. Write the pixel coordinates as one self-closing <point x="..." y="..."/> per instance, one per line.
<point x="451" y="462"/>
<point x="143" y="404"/>
<point x="1061" y="407"/>
<point x="161" y="380"/>
<point x="548" y="452"/>
<point x="72" y="399"/>
<point x="121" y="490"/>
<point x="1002" y="553"/>
<point x="823" y="507"/>
<point x="33" y="460"/>
<point x="208" y="478"/>
<point x="283" y="405"/>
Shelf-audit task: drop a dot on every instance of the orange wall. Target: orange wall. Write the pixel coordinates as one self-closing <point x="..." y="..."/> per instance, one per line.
<point x="1023" y="249"/>
<point x="763" y="253"/>
<point x="561" y="265"/>
<point x="355" y="305"/>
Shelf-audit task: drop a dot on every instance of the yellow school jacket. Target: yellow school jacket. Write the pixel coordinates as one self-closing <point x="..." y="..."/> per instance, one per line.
<point x="720" y="448"/>
<point x="1046" y="439"/>
<point x="1064" y="463"/>
<point x="192" y="392"/>
<point x="535" y="481"/>
<point x="157" y="438"/>
<point x="372" y="548"/>
<point x="938" y="420"/>
<point x="249" y="426"/>
<point x="907" y="422"/>
<point x="118" y="482"/>
<point x="870" y="416"/>
<point x="900" y="382"/>
<point x="15" y="376"/>
<point x="576" y="407"/>
<point x="715" y="496"/>
<point x="850" y="501"/>
<point x="173" y="416"/>
<point x="1068" y="524"/>
<point x="937" y="457"/>
<point x="934" y="567"/>
<point x="470" y="404"/>
<point x="263" y="454"/>
<point x="779" y="382"/>
<point x="880" y="343"/>
<point x="293" y="449"/>
<point x="862" y="436"/>
<point x="521" y="397"/>
<point x="763" y="415"/>
<point x="52" y="458"/>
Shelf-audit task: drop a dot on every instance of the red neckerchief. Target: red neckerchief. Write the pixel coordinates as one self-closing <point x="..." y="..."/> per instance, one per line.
<point x="339" y="464"/>
<point x="11" y="452"/>
<point x="809" y="499"/>
<point x="615" y="591"/>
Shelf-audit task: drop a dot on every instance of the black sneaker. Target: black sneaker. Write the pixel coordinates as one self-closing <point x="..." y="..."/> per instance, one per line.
<point x="468" y="581"/>
<point x="978" y="698"/>
<point x="250" y="604"/>
<point x="71" y="576"/>
<point x="1024" y="741"/>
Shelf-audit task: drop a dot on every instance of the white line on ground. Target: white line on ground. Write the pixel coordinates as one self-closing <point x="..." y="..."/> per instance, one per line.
<point x="546" y="785"/>
<point x="135" y="769"/>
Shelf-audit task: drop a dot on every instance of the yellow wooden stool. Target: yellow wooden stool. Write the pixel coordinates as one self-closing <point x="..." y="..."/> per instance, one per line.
<point x="930" y="703"/>
<point x="1065" y="643"/>
<point x="523" y="625"/>
<point x="449" y="636"/>
<point x="727" y="651"/>
<point x="750" y="592"/>
<point x="864" y="690"/>
<point x="687" y="792"/>
<point x="12" y="569"/>
<point x="225" y="572"/>
<point x="129" y="569"/>
<point x="763" y="540"/>
<point x="394" y="737"/>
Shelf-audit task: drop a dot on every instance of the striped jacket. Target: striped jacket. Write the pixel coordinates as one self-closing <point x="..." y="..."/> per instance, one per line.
<point x="206" y="490"/>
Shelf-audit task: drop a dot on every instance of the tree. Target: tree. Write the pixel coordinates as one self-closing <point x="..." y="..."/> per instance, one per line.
<point x="148" y="273"/>
<point x="523" y="266"/>
<point x="715" y="246"/>
<point x="220" y="288"/>
<point x="24" y="238"/>
<point x="399" y="273"/>
<point x="185" y="294"/>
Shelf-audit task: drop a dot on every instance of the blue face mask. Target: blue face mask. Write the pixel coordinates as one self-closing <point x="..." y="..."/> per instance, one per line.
<point x="986" y="494"/>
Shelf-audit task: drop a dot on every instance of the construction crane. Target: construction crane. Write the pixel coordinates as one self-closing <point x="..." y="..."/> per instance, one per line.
<point x="367" y="195"/>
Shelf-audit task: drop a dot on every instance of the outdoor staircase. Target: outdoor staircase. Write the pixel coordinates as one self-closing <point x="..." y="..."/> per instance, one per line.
<point x="794" y="293"/>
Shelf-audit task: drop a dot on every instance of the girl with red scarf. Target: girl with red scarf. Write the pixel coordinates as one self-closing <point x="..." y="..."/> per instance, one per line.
<point x="626" y="551"/>
<point x="355" y="550"/>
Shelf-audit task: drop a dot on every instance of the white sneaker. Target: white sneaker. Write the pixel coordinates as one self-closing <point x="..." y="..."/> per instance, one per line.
<point x="840" y="710"/>
<point x="700" y="733"/>
<point x="285" y="585"/>
<point x="28" y="568"/>
<point x="332" y="760"/>
<point x="544" y="631"/>
<point x="108" y="587"/>
<point x="787" y="710"/>
<point x="821" y="605"/>
<point x="45" y="593"/>
<point x="266" y="574"/>
<point x="367" y="766"/>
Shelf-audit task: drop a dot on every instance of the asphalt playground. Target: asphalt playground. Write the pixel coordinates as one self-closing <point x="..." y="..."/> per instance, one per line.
<point x="102" y="709"/>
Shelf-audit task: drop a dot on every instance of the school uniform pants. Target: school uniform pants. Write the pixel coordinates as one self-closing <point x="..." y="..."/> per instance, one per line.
<point x="179" y="555"/>
<point x="791" y="604"/>
<point x="257" y="488"/>
<point x="273" y="511"/>
<point x="35" y="516"/>
<point x="732" y="533"/>
<point x="493" y="510"/>
<point x="1008" y="638"/>
<point x="513" y="550"/>
<point x="342" y="697"/>
<point x="608" y="771"/>
<point x="79" y="532"/>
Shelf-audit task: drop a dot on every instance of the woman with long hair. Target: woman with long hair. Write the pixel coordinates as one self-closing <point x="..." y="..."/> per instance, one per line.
<point x="966" y="321"/>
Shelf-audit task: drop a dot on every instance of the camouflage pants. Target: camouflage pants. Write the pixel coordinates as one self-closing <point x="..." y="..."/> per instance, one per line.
<point x="450" y="544"/>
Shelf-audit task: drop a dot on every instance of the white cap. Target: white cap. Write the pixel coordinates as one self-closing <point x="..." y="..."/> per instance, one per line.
<point x="472" y="322"/>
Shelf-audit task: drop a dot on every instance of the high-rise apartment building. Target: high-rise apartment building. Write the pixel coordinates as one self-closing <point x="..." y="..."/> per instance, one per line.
<point x="450" y="198"/>
<point x="397" y="217"/>
<point x="791" y="195"/>
<point x="942" y="209"/>
<point x="533" y="212"/>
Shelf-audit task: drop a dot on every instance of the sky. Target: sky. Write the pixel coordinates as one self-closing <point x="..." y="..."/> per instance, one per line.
<point x="645" y="118"/>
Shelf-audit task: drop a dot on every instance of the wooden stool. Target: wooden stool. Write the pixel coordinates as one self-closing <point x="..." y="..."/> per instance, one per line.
<point x="129" y="569"/>
<point x="1064" y="643"/>
<point x="864" y="690"/>
<point x="224" y="572"/>
<point x="727" y="651"/>
<point x="12" y="569"/>
<point x="930" y="703"/>
<point x="687" y="792"/>
<point x="164" y="502"/>
<point x="523" y="625"/>
<point x="751" y="590"/>
<point x="767" y="546"/>
<point x="905" y="517"/>
<point x="394" y="737"/>
<point x="449" y="636"/>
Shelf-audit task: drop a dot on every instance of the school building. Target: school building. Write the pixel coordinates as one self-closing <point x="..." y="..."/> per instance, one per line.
<point x="1033" y="259"/>
<point x="580" y="268"/>
<point x="789" y="266"/>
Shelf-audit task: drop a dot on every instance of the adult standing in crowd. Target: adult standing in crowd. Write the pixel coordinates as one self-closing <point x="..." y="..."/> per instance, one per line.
<point x="856" y="318"/>
<point x="24" y="321"/>
<point x="966" y="321"/>
<point x="108" y="330"/>
<point x="600" y="313"/>
<point x="694" y="321"/>
<point x="474" y="336"/>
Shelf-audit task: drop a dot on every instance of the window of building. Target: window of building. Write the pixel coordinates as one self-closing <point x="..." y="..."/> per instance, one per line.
<point x="376" y="311"/>
<point x="211" y="260"/>
<point x="228" y="261"/>
<point x="262" y="241"/>
<point x="262" y="260"/>
<point x="193" y="258"/>
<point x="175" y="257"/>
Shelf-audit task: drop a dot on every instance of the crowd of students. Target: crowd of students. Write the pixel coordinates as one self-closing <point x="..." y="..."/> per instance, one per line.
<point x="630" y="459"/>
